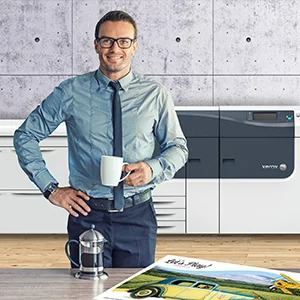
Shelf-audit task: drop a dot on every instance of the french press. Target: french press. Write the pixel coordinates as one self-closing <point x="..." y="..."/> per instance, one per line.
<point x="91" y="247"/>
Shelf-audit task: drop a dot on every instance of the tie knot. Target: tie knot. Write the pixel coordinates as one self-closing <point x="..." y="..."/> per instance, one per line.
<point x="115" y="85"/>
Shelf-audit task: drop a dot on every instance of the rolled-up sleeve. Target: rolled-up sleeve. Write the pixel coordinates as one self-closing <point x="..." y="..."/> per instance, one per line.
<point x="173" y="145"/>
<point x="40" y="123"/>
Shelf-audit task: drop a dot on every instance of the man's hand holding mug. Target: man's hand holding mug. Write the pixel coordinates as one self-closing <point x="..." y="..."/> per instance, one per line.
<point x="111" y="170"/>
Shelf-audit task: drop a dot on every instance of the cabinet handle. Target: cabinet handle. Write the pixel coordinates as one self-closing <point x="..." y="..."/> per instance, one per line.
<point x="194" y="159"/>
<point x="47" y="150"/>
<point x="228" y="161"/>
<point x="166" y="226"/>
<point x="163" y="201"/>
<point x="37" y="193"/>
<point x="165" y="214"/>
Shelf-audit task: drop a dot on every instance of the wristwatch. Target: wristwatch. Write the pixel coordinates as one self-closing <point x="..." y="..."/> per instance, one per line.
<point x="50" y="189"/>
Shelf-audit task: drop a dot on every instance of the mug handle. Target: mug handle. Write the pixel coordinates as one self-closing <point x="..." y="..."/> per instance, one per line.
<point x="126" y="174"/>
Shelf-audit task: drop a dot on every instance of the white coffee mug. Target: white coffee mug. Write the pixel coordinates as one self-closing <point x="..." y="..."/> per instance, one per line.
<point x="111" y="170"/>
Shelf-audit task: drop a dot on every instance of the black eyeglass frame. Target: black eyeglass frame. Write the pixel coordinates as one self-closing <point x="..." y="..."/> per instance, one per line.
<point x="117" y="41"/>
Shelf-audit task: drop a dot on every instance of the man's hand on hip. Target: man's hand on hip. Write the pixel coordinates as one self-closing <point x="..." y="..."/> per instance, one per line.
<point x="141" y="173"/>
<point x="69" y="198"/>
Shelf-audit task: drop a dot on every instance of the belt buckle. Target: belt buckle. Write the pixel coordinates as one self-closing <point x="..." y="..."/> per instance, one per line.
<point x="116" y="210"/>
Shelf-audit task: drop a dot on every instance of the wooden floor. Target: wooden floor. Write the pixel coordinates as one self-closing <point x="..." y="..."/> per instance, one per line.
<point x="270" y="251"/>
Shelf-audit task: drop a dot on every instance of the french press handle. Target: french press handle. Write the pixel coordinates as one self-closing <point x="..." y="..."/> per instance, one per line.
<point x="67" y="252"/>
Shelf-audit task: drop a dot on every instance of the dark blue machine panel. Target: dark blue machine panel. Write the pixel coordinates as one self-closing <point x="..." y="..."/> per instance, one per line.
<point x="201" y="128"/>
<point x="237" y="144"/>
<point x="256" y="144"/>
<point x="203" y="161"/>
<point x="199" y="123"/>
<point x="257" y="124"/>
<point x="256" y="157"/>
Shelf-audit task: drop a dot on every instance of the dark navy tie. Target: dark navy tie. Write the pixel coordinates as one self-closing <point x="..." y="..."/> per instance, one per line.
<point x="118" y="147"/>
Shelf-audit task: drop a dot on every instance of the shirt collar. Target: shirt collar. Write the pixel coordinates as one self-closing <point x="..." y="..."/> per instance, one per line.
<point x="104" y="81"/>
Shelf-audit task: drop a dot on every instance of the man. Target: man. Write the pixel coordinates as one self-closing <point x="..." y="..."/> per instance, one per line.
<point x="85" y="103"/>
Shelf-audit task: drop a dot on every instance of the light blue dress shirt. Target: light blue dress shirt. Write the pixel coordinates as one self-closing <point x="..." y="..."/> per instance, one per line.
<point x="84" y="103"/>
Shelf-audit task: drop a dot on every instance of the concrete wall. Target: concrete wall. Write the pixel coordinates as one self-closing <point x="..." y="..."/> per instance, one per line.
<point x="207" y="52"/>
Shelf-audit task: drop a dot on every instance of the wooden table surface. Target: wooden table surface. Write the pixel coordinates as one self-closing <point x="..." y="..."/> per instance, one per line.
<point x="31" y="284"/>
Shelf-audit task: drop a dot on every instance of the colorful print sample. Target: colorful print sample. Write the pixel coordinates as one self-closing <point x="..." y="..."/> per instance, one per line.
<point x="175" y="277"/>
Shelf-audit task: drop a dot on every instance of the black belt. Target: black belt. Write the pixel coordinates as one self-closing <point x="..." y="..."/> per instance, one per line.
<point x="108" y="203"/>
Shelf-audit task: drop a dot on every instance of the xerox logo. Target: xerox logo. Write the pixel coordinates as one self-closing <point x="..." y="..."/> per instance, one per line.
<point x="281" y="167"/>
<point x="268" y="167"/>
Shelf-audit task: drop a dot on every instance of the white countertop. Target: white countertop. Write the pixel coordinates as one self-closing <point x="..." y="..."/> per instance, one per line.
<point x="8" y="127"/>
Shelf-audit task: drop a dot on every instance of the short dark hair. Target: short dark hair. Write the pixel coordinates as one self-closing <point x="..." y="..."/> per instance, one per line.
<point x="115" y="16"/>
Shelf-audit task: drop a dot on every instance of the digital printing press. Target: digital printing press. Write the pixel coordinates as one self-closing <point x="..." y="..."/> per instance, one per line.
<point x="241" y="176"/>
<point x="243" y="170"/>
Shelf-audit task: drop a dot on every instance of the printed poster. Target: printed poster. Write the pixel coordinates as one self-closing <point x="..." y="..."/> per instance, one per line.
<point x="176" y="277"/>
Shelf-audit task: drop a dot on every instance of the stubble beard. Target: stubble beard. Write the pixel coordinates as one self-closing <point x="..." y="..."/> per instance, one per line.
<point x="114" y="69"/>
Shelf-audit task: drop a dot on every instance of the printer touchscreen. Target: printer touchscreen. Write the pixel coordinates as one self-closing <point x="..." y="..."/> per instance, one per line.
<point x="264" y="116"/>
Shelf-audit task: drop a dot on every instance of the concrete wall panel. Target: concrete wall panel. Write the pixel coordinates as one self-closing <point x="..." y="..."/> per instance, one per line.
<point x="187" y="45"/>
<point x="257" y="90"/>
<point x="188" y="90"/>
<point x="256" y="37"/>
<point x="35" y="37"/>
<point x="175" y="37"/>
<point x="21" y="94"/>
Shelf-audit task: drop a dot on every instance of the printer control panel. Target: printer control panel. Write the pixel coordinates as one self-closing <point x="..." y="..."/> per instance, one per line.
<point x="271" y="116"/>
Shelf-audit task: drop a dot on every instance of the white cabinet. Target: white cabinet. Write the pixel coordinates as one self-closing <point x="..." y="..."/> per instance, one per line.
<point x="170" y="206"/>
<point x="170" y="214"/>
<point x="23" y="207"/>
<point x="30" y="212"/>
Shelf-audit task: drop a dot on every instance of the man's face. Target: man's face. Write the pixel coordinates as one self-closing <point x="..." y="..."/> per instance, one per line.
<point x="115" y="61"/>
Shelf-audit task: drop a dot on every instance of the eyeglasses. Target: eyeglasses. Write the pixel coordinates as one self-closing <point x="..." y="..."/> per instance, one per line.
<point x="107" y="42"/>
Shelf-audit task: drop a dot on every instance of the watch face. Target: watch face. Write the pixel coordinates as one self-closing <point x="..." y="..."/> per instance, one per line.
<point x="52" y="188"/>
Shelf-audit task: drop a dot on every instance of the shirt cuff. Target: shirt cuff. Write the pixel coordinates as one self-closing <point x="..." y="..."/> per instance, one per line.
<point x="43" y="180"/>
<point x="155" y="166"/>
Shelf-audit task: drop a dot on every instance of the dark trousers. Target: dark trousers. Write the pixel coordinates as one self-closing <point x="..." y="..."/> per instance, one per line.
<point x="131" y="235"/>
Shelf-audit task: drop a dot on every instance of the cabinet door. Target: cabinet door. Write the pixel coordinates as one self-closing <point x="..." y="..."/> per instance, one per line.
<point x="30" y="212"/>
<point x="202" y="206"/>
<point x="173" y="214"/>
<point x="256" y="157"/>
<point x="168" y="202"/>
<point x="173" y="187"/>
<point x="12" y="177"/>
<point x="203" y="160"/>
<point x="170" y="227"/>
